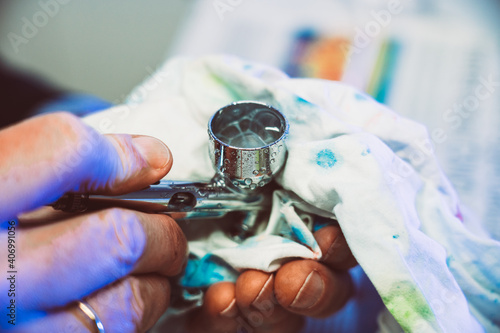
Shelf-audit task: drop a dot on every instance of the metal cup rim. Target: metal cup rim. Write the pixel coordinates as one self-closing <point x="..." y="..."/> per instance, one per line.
<point x="281" y="138"/>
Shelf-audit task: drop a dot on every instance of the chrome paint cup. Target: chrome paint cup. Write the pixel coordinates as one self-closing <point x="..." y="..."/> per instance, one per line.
<point x="247" y="143"/>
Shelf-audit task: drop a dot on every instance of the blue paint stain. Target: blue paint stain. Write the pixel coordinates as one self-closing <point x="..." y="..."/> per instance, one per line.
<point x="321" y="222"/>
<point x="301" y="100"/>
<point x="366" y="152"/>
<point x="210" y="269"/>
<point x="326" y="159"/>
<point x="397" y="145"/>
<point x="449" y="260"/>
<point x="298" y="234"/>
<point x="360" y="97"/>
<point x="396" y="236"/>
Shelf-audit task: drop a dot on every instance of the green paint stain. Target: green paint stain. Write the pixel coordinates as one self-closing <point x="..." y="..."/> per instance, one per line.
<point x="235" y="95"/>
<point x="408" y="306"/>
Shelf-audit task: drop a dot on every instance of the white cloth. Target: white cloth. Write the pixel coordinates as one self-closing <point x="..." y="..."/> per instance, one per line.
<point x="349" y="155"/>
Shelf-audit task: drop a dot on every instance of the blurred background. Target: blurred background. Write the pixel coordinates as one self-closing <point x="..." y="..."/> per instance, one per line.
<point x="436" y="61"/>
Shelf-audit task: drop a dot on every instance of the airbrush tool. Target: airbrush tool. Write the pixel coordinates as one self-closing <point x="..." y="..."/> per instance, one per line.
<point x="246" y="147"/>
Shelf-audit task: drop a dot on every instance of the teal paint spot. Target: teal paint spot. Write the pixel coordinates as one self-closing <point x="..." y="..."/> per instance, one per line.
<point x="326" y="159"/>
<point x="397" y="145"/>
<point x="201" y="273"/>
<point x="360" y="97"/>
<point x="442" y="190"/>
<point x="449" y="260"/>
<point x="366" y="152"/>
<point x="298" y="235"/>
<point x="301" y="100"/>
<point x="396" y="236"/>
<point x="286" y="240"/>
<point x="321" y="222"/>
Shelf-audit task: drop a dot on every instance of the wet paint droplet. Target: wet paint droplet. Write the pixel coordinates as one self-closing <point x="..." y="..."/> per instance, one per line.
<point x="255" y="172"/>
<point x="262" y="183"/>
<point x="248" y="181"/>
<point x="326" y="159"/>
<point x="395" y="236"/>
<point x="253" y="186"/>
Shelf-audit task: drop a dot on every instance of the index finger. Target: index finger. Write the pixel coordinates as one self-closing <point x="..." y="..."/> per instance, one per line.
<point x="85" y="253"/>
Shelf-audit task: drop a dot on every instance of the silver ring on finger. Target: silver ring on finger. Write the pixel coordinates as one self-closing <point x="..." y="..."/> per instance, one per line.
<point x="89" y="312"/>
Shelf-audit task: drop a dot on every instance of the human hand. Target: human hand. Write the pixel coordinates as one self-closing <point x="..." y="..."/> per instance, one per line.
<point x="262" y="302"/>
<point x="115" y="259"/>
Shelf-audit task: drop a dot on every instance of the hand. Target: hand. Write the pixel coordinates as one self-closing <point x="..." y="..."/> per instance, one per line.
<point x="117" y="260"/>
<point x="261" y="302"/>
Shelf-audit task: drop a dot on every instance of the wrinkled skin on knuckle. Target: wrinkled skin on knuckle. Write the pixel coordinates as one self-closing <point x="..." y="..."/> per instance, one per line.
<point x="126" y="237"/>
<point x="129" y="161"/>
<point x="121" y="306"/>
<point x="61" y="126"/>
<point x="135" y="302"/>
<point x="63" y="130"/>
<point x="144" y="299"/>
<point x="75" y="150"/>
<point x="176" y="241"/>
<point x="111" y="159"/>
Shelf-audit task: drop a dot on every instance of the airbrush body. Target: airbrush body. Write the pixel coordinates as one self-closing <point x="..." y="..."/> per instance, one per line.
<point x="247" y="148"/>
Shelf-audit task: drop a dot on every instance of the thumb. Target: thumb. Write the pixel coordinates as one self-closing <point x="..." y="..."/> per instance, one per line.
<point x="44" y="157"/>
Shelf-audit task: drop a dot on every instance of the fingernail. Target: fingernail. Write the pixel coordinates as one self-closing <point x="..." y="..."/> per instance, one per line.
<point x="186" y="259"/>
<point x="310" y="292"/>
<point x="332" y="249"/>
<point x="231" y="311"/>
<point x="153" y="150"/>
<point x="259" y="300"/>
